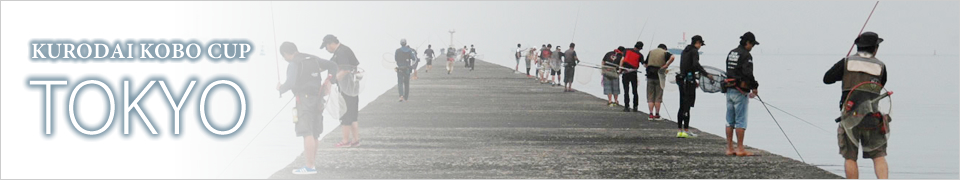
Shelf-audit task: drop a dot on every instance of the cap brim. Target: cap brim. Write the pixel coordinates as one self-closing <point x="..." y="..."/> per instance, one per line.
<point x="323" y="45"/>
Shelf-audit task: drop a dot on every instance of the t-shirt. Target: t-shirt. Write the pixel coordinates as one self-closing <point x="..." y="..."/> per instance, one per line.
<point x="345" y="58"/>
<point x="570" y="58"/>
<point x="429" y="53"/>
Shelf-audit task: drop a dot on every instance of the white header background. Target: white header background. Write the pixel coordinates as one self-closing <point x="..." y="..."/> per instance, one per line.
<point x="371" y="29"/>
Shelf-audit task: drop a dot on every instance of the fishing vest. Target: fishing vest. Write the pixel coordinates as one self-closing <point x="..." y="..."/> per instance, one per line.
<point x="861" y="69"/>
<point x="632" y="58"/>
<point x="657" y="57"/>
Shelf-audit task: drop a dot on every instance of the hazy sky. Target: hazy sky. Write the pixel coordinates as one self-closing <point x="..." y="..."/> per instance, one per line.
<point x="787" y="27"/>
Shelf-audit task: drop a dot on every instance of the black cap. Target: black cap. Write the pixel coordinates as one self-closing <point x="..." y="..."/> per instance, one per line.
<point x="638" y="45"/>
<point x="662" y="46"/>
<point x="327" y="40"/>
<point x="698" y="38"/>
<point x="572" y="45"/>
<point x="750" y="37"/>
<point x="621" y="49"/>
<point x="868" y="39"/>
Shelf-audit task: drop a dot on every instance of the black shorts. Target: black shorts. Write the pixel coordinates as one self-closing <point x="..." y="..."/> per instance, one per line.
<point x="554" y="72"/>
<point x="352" y="109"/>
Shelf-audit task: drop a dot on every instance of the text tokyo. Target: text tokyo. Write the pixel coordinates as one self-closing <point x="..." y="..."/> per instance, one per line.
<point x="129" y="105"/>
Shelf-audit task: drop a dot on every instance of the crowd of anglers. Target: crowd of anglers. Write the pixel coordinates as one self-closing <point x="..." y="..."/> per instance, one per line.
<point x="861" y="74"/>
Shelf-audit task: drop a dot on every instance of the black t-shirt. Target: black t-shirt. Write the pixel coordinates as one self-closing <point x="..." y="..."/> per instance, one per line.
<point x="615" y="58"/>
<point x="345" y="58"/>
<point x="429" y="53"/>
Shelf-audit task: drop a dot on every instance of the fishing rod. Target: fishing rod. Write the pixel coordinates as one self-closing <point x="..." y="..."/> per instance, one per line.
<point x="575" y="23"/>
<point x="862" y="28"/>
<point x="276" y="52"/>
<point x="641" y="29"/>
<point x="795" y="116"/>
<point x="781" y="129"/>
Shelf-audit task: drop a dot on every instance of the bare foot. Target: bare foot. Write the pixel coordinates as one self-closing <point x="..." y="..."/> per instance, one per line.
<point x="730" y="152"/>
<point x="744" y="153"/>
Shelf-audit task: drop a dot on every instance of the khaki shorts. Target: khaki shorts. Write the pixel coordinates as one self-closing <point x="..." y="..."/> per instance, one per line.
<point x="310" y="119"/>
<point x="654" y="91"/>
<point x="867" y="137"/>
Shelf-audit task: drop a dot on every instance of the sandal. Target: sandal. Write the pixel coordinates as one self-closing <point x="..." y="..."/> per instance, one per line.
<point x="343" y="144"/>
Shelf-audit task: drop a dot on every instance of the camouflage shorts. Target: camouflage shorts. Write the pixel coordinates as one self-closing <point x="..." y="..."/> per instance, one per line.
<point x="867" y="137"/>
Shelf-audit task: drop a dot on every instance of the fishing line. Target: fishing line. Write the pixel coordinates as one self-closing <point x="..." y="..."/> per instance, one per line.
<point x="255" y="137"/>
<point x="808" y="122"/>
<point x="781" y="129"/>
<point x="276" y="52"/>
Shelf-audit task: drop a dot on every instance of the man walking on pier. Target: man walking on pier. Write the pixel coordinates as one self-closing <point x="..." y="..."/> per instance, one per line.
<point x="429" y="54"/>
<point x="404" y="55"/>
<point x="451" y="57"/>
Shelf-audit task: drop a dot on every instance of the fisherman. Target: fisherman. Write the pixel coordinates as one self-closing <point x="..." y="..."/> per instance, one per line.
<point x="309" y="87"/>
<point x="463" y="57"/>
<point x="556" y="63"/>
<point x="517" y="55"/>
<point x="404" y="56"/>
<point x="347" y="61"/>
<point x="740" y="86"/>
<point x="871" y="131"/>
<point x="686" y="80"/>
<point x="414" y="63"/>
<point x="631" y="60"/>
<point x="531" y="56"/>
<point x="472" y="57"/>
<point x="429" y="54"/>
<point x="539" y="63"/>
<point x="546" y="54"/>
<point x="657" y="59"/>
<point x="451" y="56"/>
<point x="609" y="78"/>
<point x="570" y="63"/>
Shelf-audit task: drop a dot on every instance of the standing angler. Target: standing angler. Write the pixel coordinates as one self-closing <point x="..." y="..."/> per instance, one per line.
<point x="862" y="68"/>
<point x="347" y="61"/>
<point x="689" y="65"/>
<point x="631" y="60"/>
<point x="657" y="59"/>
<point x="307" y="84"/>
<point x="740" y="86"/>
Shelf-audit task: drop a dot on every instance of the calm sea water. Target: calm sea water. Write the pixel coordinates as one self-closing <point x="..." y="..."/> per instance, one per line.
<point x="924" y="140"/>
